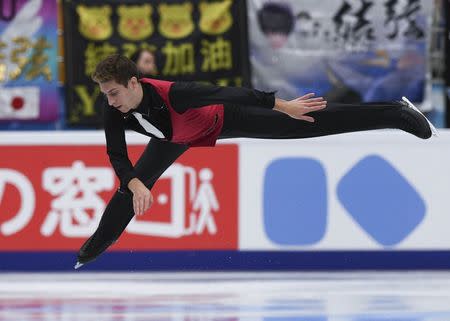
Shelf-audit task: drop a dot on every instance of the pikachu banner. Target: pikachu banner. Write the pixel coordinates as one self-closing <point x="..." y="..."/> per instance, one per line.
<point x="189" y="40"/>
<point x="28" y="78"/>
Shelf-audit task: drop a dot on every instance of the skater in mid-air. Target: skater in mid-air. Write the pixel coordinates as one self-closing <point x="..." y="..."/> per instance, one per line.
<point x="181" y="115"/>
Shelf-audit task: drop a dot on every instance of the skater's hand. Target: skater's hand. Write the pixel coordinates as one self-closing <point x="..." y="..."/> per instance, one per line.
<point x="299" y="107"/>
<point x="142" y="198"/>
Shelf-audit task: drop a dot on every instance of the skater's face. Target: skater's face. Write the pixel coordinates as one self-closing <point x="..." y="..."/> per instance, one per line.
<point x="120" y="97"/>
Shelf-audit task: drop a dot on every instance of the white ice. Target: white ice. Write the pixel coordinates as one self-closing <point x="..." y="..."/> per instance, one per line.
<point x="280" y="296"/>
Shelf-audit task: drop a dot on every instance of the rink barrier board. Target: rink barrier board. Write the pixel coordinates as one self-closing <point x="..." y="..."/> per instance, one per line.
<point x="260" y="247"/>
<point x="229" y="261"/>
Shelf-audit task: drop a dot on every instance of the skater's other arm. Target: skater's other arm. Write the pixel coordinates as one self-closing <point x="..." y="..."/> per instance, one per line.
<point x="116" y="146"/>
<point x="299" y="107"/>
<point x="186" y="95"/>
<point x="117" y="151"/>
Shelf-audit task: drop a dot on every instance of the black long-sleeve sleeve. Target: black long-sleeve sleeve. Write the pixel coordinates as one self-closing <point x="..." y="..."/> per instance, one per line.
<point x="186" y="95"/>
<point x="116" y="146"/>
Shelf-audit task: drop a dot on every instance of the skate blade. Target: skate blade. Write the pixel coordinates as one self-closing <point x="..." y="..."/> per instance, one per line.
<point x="78" y="265"/>
<point x="410" y="104"/>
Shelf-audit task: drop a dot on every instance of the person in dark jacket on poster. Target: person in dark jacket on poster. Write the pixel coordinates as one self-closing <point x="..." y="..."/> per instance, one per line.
<point x="145" y="61"/>
<point x="181" y="115"/>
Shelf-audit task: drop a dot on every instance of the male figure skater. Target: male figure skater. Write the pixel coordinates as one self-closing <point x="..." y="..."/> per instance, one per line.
<point x="180" y="115"/>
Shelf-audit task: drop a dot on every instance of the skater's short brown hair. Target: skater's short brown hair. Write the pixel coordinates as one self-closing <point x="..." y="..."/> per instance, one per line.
<point x="115" y="67"/>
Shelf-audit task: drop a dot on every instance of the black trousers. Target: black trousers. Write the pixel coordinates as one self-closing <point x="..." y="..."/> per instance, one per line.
<point x="253" y="122"/>
<point x="239" y="121"/>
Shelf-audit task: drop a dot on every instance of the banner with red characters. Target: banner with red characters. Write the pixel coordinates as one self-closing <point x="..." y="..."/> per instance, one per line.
<point x="52" y="198"/>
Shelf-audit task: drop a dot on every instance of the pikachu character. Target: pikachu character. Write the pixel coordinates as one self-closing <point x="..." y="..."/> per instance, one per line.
<point x="135" y="21"/>
<point x="175" y="20"/>
<point x="95" y="22"/>
<point x="215" y="17"/>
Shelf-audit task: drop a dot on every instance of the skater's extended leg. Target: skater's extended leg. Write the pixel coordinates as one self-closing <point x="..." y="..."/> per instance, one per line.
<point x="241" y="121"/>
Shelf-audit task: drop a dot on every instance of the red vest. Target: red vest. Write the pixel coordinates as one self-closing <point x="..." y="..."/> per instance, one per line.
<point x="196" y="126"/>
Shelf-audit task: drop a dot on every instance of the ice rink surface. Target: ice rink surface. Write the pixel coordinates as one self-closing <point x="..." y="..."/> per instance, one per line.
<point x="278" y="296"/>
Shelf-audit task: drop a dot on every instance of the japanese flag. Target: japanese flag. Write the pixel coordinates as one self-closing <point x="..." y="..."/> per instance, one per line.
<point x="19" y="102"/>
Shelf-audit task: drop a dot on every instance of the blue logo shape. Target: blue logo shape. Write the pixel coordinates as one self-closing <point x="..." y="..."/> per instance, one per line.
<point x="381" y="200"/>
<point x="295" y="201"/>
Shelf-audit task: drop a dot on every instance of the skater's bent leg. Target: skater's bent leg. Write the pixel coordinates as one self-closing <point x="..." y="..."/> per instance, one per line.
<point x="156" y="158"/>
<point x="117" y="215"/>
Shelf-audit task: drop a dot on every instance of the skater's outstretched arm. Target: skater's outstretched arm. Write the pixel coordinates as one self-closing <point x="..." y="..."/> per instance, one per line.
<point x="186" y="95"/>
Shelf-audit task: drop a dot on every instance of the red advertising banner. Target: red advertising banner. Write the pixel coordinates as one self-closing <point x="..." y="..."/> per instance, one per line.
<point x="52" y="198"/>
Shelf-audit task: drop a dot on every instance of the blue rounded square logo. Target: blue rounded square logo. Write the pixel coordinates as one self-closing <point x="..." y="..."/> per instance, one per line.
<point x="295" y="201"/>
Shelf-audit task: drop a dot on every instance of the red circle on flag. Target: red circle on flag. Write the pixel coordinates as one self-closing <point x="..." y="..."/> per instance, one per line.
<point x="17" y="103"/>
